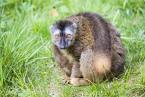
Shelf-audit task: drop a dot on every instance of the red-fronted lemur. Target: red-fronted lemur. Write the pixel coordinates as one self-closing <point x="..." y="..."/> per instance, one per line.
<point x="88" y="48"/>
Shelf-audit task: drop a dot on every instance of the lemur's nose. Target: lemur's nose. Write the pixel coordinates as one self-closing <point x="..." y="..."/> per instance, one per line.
<point x="63" y="44"/>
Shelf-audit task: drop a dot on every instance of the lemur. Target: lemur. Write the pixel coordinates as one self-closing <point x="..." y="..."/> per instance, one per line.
<point x="88" y="48"/>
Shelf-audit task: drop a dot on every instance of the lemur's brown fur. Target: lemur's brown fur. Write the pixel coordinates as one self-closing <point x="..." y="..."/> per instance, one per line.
<point x="97" y="52"/>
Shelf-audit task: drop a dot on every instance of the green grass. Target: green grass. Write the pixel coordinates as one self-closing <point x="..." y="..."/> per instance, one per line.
<point x="26" y="65"/>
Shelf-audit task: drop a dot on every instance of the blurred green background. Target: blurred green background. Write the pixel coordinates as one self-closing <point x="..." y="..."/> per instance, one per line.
<point x="27" y="68"/>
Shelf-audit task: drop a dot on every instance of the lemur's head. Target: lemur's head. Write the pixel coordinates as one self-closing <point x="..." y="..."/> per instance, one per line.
<point x="63" y="33"/>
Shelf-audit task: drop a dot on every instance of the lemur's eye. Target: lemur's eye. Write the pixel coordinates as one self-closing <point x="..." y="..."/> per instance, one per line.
<point x="57" y="36"/>
<point x="68" y="36"/>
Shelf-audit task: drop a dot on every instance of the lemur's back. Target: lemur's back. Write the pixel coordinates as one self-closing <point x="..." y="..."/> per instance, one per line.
<point x="94" y="28"/>
<point x="95" y="32"/>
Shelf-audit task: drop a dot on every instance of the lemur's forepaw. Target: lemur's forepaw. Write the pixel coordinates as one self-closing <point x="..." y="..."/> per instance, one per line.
<point x="65" y="81"/>
<point x="79" y="82"/>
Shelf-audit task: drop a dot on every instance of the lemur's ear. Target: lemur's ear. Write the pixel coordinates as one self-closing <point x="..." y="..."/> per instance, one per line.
<point x="74" y="25"/>
<point x="52" y="28"/>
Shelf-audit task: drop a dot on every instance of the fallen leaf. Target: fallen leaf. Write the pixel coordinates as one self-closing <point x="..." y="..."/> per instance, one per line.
<point x="54" y="12"/>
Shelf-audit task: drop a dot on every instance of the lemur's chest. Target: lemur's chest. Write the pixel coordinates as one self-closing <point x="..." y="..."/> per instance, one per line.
<point x="73" y="53"/>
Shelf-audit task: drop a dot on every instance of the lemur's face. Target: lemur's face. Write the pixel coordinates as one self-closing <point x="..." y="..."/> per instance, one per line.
<point x="63" y="33"/>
